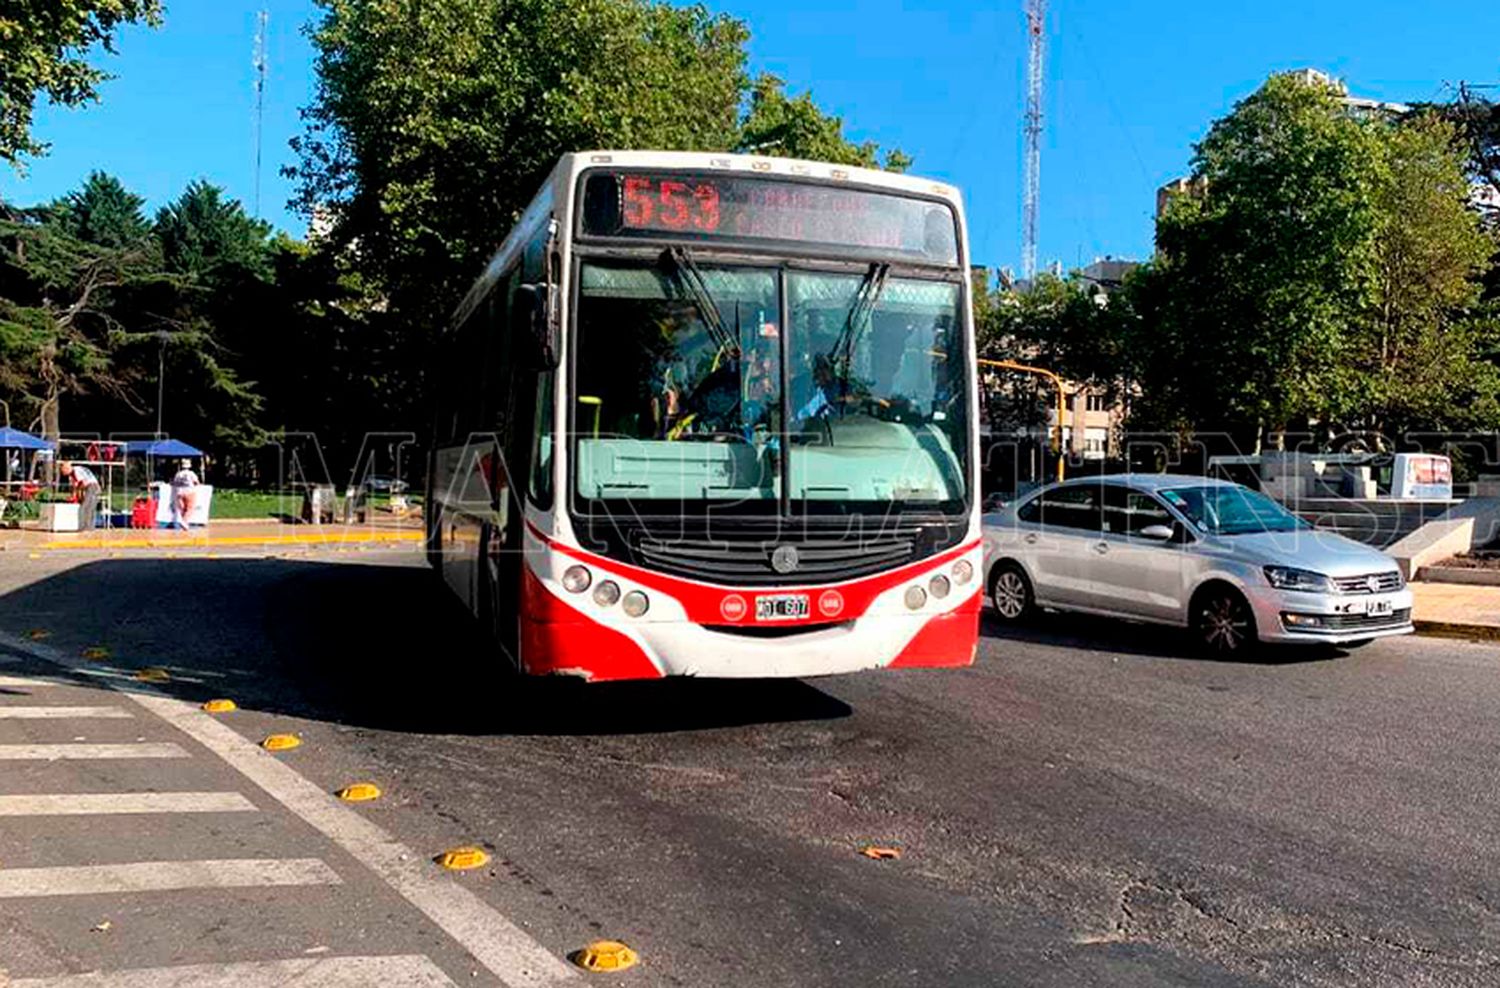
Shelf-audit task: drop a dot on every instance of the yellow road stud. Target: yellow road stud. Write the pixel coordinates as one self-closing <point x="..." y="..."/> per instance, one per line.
<point x="281" y="742"/>
<point x="33" y="555"/>
<point x="155" y="674"/>
<point x="95" y="653"/>
<point x="463" y="858"/>
<point x="605" y="955"/>
<point x="220" y="706"/>
<point x="881" y="853"/>
<point x="37" y="634"/>
<point x="359" y="792"/>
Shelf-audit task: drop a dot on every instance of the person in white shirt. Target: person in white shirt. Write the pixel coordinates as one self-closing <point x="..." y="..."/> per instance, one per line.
<point x="86" y="488"/>
<point x="184" y="483"/>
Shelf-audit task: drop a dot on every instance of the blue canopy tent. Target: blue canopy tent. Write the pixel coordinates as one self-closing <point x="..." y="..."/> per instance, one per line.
<point x="161" y="447"/>
<point x="16" y="439"/>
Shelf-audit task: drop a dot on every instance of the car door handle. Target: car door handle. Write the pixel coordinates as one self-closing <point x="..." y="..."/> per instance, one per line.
<point x="1031" y="538"/>
<point x="1101" y="547"/>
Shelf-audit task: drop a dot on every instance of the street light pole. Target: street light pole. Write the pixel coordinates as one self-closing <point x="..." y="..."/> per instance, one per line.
<point x="161" y="376"/>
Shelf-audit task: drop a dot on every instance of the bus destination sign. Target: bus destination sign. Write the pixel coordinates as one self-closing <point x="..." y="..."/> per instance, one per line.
<point x="742" y="207"/>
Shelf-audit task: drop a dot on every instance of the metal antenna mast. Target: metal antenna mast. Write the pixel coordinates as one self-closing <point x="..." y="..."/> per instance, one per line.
<point x="1036" y="29"/>
<point x="259" y="64"/>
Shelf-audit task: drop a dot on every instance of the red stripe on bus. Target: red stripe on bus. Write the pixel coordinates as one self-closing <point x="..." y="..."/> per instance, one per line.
<point x="946" y="640"/>
<point x="558" y="638"/>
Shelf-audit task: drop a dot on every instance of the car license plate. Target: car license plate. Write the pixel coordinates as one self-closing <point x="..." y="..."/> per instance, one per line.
<point x="781" y="607"/>
<point x="1378" y="608"/>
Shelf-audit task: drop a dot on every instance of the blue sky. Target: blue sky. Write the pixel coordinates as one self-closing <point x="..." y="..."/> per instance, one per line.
<point x="1131" y="85"/>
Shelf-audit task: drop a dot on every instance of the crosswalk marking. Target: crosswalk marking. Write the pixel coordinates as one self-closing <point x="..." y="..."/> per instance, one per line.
<point x="323" y="972"/>
<point x="80" y="804"/>
<point x="61" y="713"/>
<point x="163" y="876"/>
<point x="85" y="752"/>
<point x="22" y="682"/>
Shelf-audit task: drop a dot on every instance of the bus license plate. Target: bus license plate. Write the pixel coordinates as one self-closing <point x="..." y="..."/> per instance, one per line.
<point x="781" y="607"/>
<point x="1378" y="608"/>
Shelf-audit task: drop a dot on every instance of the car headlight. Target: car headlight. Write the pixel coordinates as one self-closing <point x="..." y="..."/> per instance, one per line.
<point x="1289" y="578"/>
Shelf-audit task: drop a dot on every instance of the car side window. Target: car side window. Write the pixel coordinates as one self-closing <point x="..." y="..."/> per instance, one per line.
<point x="1031" y="511"/>
<point x="1071" y="507"/>
<point x="1128" y="511"/>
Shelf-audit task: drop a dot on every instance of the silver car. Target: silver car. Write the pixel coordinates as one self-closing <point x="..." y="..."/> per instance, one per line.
<point x="1225" y="561"/>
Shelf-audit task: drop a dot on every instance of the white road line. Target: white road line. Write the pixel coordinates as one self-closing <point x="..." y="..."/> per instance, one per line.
<point x="494" y="941"/>
<point x="59" y="713"/>
<point x="82" y="804"/>
<point x="24" y="681"/>
<point x="322" y="972"/>
<point x="86" y="752"/>
<point x="163" y="876"/>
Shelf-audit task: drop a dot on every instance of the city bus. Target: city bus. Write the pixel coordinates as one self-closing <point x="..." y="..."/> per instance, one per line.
<point x="714" y="415"/>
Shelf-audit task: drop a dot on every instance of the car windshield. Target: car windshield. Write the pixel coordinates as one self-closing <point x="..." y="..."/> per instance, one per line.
<point x="1232" y="510"/>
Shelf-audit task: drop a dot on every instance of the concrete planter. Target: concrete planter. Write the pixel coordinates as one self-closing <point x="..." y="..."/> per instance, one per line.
<point x="1459" y="574"/>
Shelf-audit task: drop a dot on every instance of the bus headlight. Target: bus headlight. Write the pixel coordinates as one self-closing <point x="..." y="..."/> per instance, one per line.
<point x="576" y="579"/>
<point x="939" y="586"/>
<point x="915" y="597"/>
<point x="635" y="603"/>
<point x="606" y="593"/>
<point x="963" y="571"/>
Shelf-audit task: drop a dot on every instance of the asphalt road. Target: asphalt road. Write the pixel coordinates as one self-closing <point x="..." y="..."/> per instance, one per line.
<point x="1088" y="805"/>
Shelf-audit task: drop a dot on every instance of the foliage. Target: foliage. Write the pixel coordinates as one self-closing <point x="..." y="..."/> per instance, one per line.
<point x="778" y="124"/>
<point x="42" y="48"/>
<point x="103" y="212"/>
<point x="206" y="235"/>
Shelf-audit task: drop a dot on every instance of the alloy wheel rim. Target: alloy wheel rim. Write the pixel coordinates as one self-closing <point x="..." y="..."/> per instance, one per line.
<point x="1225" y="626"/>
<point x="1010" y="595"/>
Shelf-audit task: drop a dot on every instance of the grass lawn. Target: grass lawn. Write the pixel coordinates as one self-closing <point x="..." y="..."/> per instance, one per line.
<point x="268" y="504"/>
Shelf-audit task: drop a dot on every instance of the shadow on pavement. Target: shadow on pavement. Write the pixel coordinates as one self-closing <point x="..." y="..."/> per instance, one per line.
<point x="1085" y="631"/>
<point x="377" y="646"/>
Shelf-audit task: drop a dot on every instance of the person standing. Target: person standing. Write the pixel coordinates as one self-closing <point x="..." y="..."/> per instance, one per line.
<point x="184" y="487"/>
<point x="85" y="491"/>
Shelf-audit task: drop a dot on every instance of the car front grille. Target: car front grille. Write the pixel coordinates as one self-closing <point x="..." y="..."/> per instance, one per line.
<point x="1382" y="582"/>
<point x="1360" y="622"/>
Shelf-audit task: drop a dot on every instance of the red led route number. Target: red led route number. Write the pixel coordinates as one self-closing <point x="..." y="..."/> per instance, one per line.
<point x="668" y="204"/>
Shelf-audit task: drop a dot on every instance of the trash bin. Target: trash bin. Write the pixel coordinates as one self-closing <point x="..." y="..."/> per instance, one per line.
<point x="318" y="504"/>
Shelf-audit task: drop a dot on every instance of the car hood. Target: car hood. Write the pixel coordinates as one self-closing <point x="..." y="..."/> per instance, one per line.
<point x="1310" y="549"/>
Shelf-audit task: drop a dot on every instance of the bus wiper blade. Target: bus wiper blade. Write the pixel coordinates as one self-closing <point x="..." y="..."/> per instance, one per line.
<point x="690" y="277"/>
<point x="866" y="298"/>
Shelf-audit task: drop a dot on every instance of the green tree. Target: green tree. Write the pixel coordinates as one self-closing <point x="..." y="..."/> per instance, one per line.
<point x="1263" y="270"/>
<point x="204" y="234"/>
<point x="103" y="212"/>
<point x="1416" y="356"/>
<point x="794" y="127"/>
<point x="43" y="44"/>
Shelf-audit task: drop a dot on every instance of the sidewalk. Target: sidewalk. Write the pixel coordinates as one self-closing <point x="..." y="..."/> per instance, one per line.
<point x="1456" y="609"/>
<point x="229" y="533"/>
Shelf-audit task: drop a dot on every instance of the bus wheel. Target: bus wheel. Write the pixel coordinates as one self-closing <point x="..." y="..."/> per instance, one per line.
<point x="1011" y="593"/>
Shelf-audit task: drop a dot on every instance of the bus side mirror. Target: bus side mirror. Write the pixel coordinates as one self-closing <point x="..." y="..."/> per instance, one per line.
<point x="532" y="313"/>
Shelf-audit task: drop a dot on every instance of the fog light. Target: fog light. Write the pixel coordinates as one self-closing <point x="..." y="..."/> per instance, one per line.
<point x="635" y="603"/>
<point x="915" y="597"/>
<point x="963" y="571"/>
<point x="939" y="586"/>
<point x="576" y="579"/>
<point x="606" y="593"/>
<point x="1302" y="620"/>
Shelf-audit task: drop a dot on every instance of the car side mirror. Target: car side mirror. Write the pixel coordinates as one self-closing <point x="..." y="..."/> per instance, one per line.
<point x="1157" y="533"/>
<point x="532" y="312"/>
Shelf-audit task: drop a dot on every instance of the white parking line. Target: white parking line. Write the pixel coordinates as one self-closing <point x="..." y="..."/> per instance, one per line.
<point x="164" y="876"/>
<point x="85" y="752"/>
<point x="323" y="972"/>
<point x="61" y="713"/>
<point x="80" y="804"/>
<point x="494" y="941"/>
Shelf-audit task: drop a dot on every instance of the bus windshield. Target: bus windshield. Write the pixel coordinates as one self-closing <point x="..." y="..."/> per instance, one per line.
<point x="680" y="394"/>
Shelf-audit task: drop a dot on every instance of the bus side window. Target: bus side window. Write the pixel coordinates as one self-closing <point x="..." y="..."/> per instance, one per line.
<point x="542" y="441"/>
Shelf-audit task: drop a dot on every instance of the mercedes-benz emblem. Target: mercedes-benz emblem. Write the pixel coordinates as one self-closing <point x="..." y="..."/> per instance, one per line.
<point x="784" y="558"/>
<point x="1373" y="583"/>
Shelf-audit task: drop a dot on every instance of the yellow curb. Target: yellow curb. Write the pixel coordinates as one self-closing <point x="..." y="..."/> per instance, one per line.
<point x="1454" y="629"/>
<point x="204" y="541"/>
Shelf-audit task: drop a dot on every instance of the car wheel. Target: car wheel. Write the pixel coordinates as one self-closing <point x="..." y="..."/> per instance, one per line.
<point x="1223" y="623"/>
<point x="1010" y="592"/>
